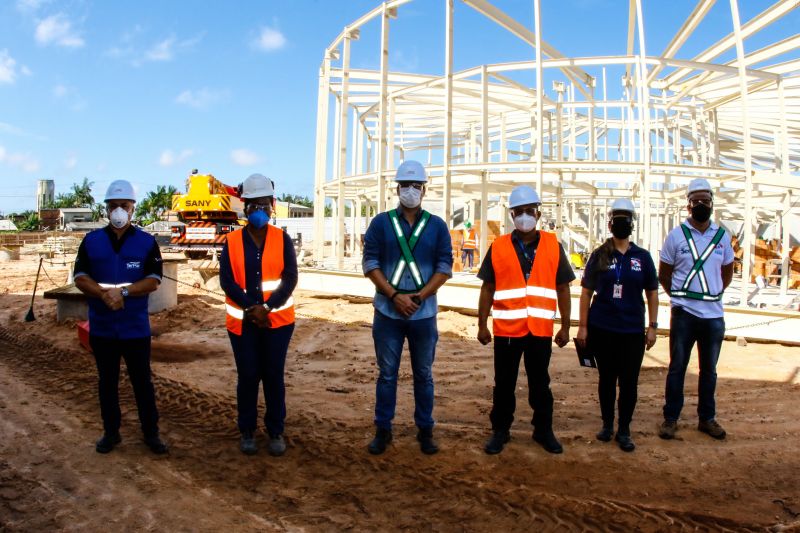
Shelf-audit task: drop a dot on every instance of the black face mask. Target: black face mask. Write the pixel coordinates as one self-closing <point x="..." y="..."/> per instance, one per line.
<point x="701" y="213"/>
<point x="621" y="227"/>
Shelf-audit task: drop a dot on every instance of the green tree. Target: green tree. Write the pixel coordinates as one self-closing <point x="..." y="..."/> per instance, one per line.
<point x="79" y="196"/>
<point x="98" y="211"/>
<point x="296" y="199"/>
<point x="31" y="222"/>
<point x="155" y="204"/>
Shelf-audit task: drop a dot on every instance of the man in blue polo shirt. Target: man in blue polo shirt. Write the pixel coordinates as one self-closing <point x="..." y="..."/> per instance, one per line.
<point x="696" y="267"/>
<point x="117" y="267"/>
<point x="407" y="255"/>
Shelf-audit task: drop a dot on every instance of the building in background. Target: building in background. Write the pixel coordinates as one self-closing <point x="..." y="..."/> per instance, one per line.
<point x="45" y="193"/>
<point x="290" y="210"/>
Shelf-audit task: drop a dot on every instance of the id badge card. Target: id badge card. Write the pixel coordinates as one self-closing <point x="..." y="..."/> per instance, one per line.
<point x="617" y="290"/>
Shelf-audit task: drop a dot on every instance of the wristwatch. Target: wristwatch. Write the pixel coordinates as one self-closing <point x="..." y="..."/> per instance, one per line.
<point x="654" y="325"/>
<point x="124" y="292"/>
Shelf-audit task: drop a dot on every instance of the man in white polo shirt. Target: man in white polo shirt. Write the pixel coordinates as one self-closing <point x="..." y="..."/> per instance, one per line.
<point x="696" y="267"/>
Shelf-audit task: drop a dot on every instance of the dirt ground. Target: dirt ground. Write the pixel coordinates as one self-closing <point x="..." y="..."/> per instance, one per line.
<point x="52" y="479"/>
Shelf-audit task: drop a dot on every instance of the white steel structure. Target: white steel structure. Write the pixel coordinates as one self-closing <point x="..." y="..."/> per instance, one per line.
<point x="635" y="125"/>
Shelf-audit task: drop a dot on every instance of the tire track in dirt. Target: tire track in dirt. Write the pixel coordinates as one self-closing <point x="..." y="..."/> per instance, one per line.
<point x="327" y="467"/>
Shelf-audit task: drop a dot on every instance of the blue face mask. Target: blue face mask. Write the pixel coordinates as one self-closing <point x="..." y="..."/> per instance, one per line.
<point x="258" y="218"/>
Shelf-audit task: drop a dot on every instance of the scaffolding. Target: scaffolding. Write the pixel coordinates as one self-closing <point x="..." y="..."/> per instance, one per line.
<point x="633" y="125"/>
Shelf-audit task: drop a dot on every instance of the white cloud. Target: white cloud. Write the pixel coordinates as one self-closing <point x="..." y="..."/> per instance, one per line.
<point x="8" y="67"/>
<point x="71" y="162"/>
<point x="57" y="29"/>
<point x="169" y="158"/>
<point x="30" y="5"/>
<point x="25" y="162"/>
<point x="269" y="40"/>
<point x="161" y="51"/>
<point x="69" y="96"/>
<point x="244" y="157"/>
<point x="202" y="98"/>
<point x="60" y="91"/>
<point x="10" y="129"/>
<point x="16" y="131"/>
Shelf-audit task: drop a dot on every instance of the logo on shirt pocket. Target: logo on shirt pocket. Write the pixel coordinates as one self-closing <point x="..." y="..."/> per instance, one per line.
<point x="636" y="265"/>
<point x="133" y="265"/>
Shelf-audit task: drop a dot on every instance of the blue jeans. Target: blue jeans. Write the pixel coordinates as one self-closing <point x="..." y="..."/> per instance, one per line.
<point x="708" y="333"/>
<point x="260" y="356"/>
<point x="389" y="335"/>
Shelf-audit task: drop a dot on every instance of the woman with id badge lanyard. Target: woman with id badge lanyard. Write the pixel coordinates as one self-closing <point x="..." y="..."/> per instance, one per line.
<point x="612" y="326"/>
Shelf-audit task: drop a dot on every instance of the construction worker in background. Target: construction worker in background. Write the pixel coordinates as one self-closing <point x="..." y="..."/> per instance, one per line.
<point x="116" y="268"/>
<point x="258" y="272"/>
<point x="696" y="267"/>
<point x="408" y="256"/>
<point x="612" y="315"/>
<point x="469" y="245"/>
<point x="525" y="274"/>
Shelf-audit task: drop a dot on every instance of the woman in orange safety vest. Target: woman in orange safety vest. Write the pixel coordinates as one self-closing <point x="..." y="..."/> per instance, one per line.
<point x="258" y="272"/>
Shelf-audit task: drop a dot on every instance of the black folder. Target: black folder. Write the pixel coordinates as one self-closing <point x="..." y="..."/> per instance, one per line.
<point x="585" y="357"/>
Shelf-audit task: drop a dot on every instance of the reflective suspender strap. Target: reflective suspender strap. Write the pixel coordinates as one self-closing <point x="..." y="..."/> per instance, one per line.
<point x="697" y="268"/>
<point x="406" y="248"/>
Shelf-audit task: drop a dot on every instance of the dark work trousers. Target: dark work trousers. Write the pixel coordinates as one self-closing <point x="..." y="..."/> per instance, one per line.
<point x="619" y="358"/>
<point x="260" y="358"/>
<point x="507" y="353"/>
<point x="107" y="353"/>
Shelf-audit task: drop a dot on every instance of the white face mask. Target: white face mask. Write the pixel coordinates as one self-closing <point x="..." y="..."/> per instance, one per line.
<point x="119" y="217"/>
<point x="525" y="222"/>
<point x="410" y="197"/>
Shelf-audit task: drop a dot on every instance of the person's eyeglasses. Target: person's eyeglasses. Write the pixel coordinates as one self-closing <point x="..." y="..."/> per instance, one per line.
<point x="417" y="186"/>
<point x="530" y="211"/>
<point x="258" y="207"/>
<point x="704" y="201"/>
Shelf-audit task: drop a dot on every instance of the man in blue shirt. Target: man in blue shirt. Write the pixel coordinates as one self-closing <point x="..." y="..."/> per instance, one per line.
<point x="116" y="268"/>
<point x="408" y="255"/>
<point x="696" y="267"/>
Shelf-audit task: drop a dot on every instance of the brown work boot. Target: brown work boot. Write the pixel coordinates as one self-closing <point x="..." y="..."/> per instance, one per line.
<point x="713" y="428"/>
<point x="668" y="429"/>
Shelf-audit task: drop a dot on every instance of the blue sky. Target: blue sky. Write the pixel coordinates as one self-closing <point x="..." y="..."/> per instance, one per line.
<point x="147" y="90"/>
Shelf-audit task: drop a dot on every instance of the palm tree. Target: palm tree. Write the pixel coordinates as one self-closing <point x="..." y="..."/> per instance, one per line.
<point x="155" y="204"/>
<point x="82" y="194"/>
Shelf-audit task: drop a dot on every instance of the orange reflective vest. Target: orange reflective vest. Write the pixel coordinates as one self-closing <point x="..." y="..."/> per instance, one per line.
<point x="520" y="308"/>
<point x="271" y="270"/>
<point x="470" y="241"/>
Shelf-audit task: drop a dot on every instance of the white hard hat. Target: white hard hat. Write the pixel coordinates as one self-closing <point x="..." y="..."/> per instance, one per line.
<point x="523" y="195"/>
<point x="120" y="190"/>
<point x="622" y="204"/>
<point x="411" y="171"/>
<point x="256" y="186"/>
<point x="699" y="184"/>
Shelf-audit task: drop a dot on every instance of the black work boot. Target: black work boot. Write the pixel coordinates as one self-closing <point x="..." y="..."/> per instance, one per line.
<point x="606" y="433"/>
<point x="497" y="442"/>
<point x="382" y="439"/>
<point x="426" y="442"/>
<point x="107" y="442"/>
<point x="247" y="443"/>
<point x="156" y="445"/>
<point x="548" y="440"/>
